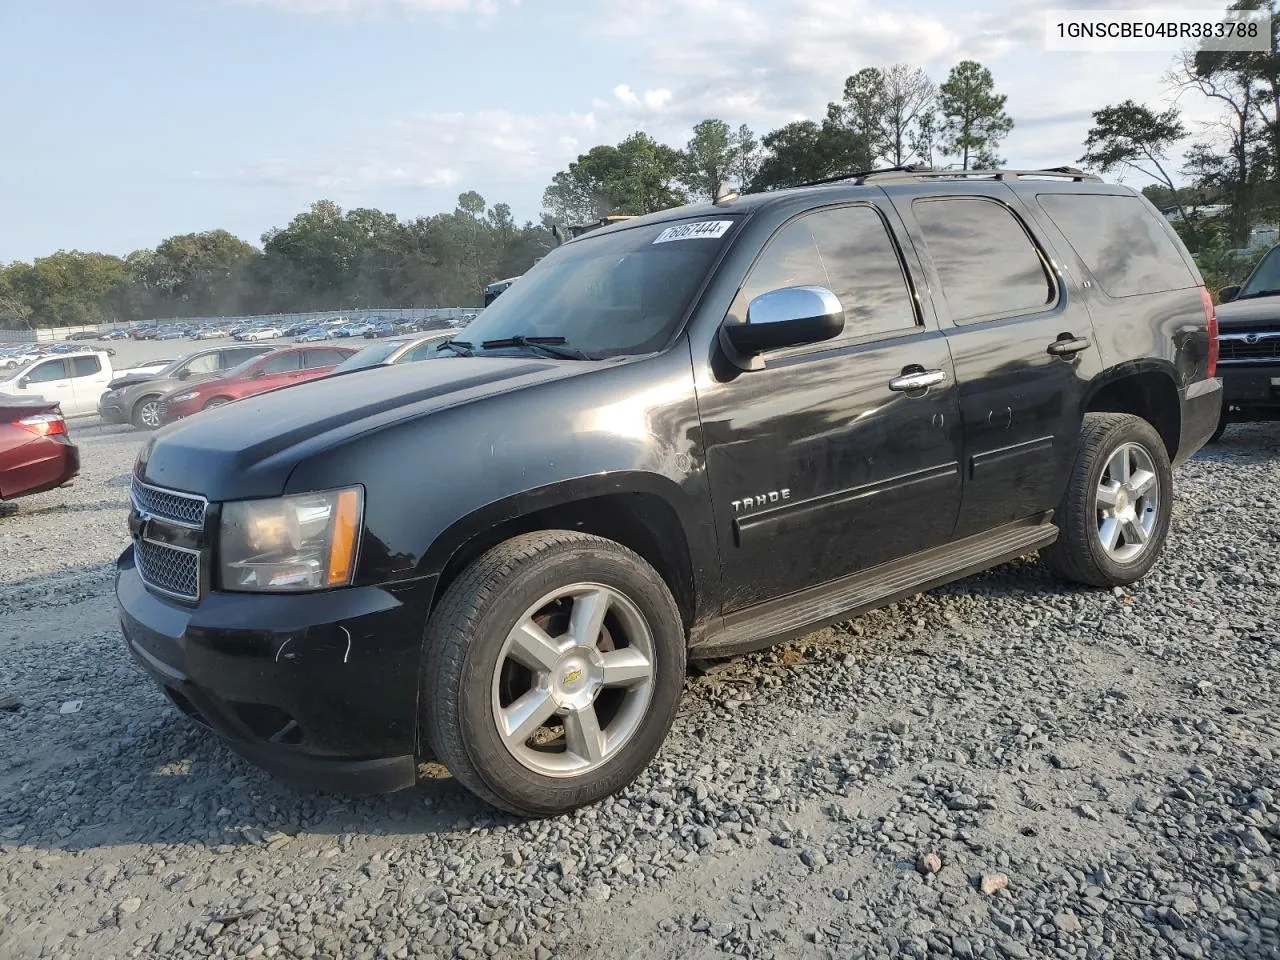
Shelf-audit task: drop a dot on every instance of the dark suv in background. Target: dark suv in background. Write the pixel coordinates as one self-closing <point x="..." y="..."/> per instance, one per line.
<point x="1249" y="316"/>
<point x="690" y="434"/>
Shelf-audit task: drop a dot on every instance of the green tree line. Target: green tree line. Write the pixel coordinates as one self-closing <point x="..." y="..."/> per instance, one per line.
<point x="326" y="258"/>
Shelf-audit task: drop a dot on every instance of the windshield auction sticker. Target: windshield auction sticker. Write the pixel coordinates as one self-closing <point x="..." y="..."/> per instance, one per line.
<point x="702" y="230"/>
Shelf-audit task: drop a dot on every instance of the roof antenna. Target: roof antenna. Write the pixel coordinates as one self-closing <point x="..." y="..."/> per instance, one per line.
<point x="725" y="193"/>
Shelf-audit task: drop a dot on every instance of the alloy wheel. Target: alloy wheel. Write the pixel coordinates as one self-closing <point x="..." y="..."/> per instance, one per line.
<point x="1128" y="502"/>
<point x="574" y="680"/>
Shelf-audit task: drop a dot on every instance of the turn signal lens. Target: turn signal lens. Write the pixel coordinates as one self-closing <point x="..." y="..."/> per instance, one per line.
<point x="342" y="546"/>
<point x="43" y="424"/>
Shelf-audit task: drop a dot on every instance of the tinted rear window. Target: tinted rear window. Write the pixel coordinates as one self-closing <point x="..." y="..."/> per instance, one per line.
<point x="1121" y="241"/>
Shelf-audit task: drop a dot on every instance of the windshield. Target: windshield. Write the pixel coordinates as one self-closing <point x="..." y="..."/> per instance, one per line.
<point x="369" y="356"/>
<point x="1265" y="278"/>
<point x="609" y="294"/>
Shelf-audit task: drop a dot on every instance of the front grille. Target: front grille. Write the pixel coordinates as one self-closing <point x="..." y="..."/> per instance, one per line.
<point x="1249" y="347"/>
<point x="170" y="570"/>
<point x="182" y="508"/>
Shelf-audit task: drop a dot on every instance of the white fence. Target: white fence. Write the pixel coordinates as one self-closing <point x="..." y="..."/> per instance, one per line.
<point x="44" y="334"/>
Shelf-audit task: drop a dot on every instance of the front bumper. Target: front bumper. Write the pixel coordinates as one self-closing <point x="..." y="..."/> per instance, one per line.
<point x="112" y="411"/>
<point x="1251" y="391"/>
<point x="1201" y="409"/>
<point x="320" y="689"/>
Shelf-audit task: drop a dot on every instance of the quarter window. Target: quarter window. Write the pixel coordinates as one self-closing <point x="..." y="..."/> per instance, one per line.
<point x="1120" y="240"/>
<point x="849" y="251"/>
<point x="987" y="263"/>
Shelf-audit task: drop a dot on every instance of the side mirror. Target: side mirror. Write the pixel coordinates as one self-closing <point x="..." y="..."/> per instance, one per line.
<point x="1227" y="294"/>
<point x="23" y="383"/>
<point x="182" y="374"/>
<point x="790" y="317"/>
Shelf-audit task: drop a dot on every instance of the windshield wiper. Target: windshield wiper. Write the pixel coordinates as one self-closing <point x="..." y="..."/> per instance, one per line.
<point x="1258" y="293"/>
<point x="462" y="347"/>
<point x="548" y="346"/>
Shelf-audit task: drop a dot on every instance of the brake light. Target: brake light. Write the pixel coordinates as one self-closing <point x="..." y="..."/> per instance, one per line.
<point x="43" y="424"/>
<point x="1211" y="314"/>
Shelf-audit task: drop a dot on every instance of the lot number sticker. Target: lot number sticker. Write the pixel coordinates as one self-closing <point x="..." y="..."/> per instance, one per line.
<point x="702" y="230"/>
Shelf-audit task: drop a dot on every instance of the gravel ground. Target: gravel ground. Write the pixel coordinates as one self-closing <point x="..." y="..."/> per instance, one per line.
<point x="1003" y="768"/>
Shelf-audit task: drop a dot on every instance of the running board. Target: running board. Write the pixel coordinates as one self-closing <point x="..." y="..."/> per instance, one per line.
<point x="785" y="618"/>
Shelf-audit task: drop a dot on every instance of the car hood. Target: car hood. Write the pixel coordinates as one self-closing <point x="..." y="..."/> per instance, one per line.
<point x="247" y="449"/>
<point x="129" y="379"/>
<point x="1243" y="313"/>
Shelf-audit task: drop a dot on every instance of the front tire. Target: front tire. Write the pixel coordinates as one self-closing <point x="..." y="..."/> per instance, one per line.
<point x="553" y="670"/>
<point x="1114" y="517"/>
<point x="146" y="413"/>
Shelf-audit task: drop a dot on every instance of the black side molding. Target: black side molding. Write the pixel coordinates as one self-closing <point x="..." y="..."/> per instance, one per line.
<point x="984" y="464"/>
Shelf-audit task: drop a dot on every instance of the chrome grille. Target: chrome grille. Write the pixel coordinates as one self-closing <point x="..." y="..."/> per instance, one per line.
<point x="182" y="508"/>
<point x="170" y="570"/>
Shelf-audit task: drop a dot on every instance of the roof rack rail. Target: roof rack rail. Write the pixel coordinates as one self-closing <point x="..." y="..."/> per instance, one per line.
<point x="861" y="174"/>
<point x="1071" y="173"/>
<point x="914" y="172"/>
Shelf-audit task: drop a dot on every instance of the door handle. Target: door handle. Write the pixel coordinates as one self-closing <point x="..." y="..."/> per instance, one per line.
<point x="917" y="380"/>
<point x="1069" y="346"/>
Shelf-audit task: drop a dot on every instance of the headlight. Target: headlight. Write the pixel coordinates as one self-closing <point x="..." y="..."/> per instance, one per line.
<point x="183" y="397"/>
<point x="303" y="542"/>
<point x="112" y="395"/>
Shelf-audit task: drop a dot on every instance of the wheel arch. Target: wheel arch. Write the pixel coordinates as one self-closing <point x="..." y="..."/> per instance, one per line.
<point x="1146" y="390"/>
<point x="637" y="510"/>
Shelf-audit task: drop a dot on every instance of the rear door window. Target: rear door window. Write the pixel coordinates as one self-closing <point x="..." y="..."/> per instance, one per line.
<point x="987" y="263"/>
<point x="1128" y="251"/>
<point x="85" y="366"/>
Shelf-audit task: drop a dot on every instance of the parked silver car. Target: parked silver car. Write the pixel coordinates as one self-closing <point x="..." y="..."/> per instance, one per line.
<point x="384" y="353"/>
<point x="133" y="399"/>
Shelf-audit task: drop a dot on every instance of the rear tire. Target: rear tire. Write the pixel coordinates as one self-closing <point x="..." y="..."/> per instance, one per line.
<point x="553" y="670"/>
<point x="1114" y="517"/>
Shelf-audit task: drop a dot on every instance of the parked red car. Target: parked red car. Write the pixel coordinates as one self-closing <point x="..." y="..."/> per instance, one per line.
<point x="280" y="368"/>
<point x="36" y="454"/>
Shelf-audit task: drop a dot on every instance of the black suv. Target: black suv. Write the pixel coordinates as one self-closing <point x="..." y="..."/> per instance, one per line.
<point x="687" y="435"/>
<point x="1250" y="345"/>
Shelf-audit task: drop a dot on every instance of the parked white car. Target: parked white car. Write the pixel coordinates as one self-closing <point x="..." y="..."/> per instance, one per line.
<point x="14" y="358"/>
<point x="73" y="380"/>
<point x="266" y="333"/>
